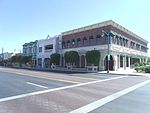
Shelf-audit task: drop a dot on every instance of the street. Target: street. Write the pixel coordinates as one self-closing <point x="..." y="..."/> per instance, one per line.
<point x="24" y="91"/>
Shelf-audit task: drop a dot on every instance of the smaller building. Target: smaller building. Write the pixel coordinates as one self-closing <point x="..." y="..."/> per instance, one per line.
<point x="30" y="49"/>
<point x="5" y="56"/>
<point x="45" y="48"/>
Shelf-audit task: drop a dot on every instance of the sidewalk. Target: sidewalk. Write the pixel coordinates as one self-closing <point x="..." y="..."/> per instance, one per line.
<point x="126" y="72"/>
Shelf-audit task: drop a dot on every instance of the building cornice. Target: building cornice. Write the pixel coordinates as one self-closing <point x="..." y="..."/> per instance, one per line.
<point x="103" y="24"/>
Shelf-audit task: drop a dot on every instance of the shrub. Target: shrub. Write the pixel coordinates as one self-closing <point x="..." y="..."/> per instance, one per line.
<point x="55" y="58"/>
<point x="93" y="57"/>
<point x="72" y="57"/>
<point x="147" y="68"/>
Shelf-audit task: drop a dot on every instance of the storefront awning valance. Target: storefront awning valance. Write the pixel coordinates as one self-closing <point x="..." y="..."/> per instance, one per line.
<point x="112" y="33"/>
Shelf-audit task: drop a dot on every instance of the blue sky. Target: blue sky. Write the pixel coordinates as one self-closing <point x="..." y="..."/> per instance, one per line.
<point x="27" y="20"/>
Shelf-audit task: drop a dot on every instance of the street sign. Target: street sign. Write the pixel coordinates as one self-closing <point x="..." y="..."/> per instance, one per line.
<point x="108" y="57"/>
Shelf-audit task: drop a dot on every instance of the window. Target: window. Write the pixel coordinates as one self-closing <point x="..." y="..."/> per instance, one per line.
<point x="78" y="42"/>
<point x="91" y="41"/>
<point x="84" y="41"/>
<point x="137" y="46"/>
<point x="121" y="41"/>
<point x="117" y="40"/>
<point x="144" y="49"/>
<point x="114" y="39"/>
<point x="98" y="39"/>
<point x="121" y="61"/>
<point x="127" y="61"/>
<point x="126" y="43"/>
<point x="63" y="45"/>
<point x="40" y="49"/>
<point x="73" y="43"/>
<point x="68" y="43"/>
<point x="49" y="47"/>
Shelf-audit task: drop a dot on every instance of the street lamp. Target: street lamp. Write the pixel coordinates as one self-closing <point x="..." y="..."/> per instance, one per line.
<point x="108" y="51"/>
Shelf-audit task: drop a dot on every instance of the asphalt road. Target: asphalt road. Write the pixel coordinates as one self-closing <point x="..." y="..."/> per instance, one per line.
<point x="23" y="91"/>
<point x="137" y="101"/>
<point x="14" y="84"/>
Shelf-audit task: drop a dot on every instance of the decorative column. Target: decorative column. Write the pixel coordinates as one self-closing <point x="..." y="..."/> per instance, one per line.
<point x="140" y="60"/>
<point x="80" y="60"/>
<point x="129" y="61"/>
<point x="125" y="62"/>
<point x="85" y="61"/>
<point x="102" y="60"/>
<point x="42" y="62"/>
<point x="64" y="64"/>
<point x="115" y="62"/>
<point x="119" y="61"/>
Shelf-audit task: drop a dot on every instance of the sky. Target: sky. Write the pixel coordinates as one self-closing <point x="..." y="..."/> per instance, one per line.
<point x="23" y="21"/>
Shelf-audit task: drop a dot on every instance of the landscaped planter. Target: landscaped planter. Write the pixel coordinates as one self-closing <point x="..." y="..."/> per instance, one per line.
<point x="69" y="67"/>
<point x="53" y="67"/>
<point x="147" y="71"/>
<point x="92" y="68"/>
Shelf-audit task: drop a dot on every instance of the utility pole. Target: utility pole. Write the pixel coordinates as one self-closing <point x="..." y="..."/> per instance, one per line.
<point x="108" y="49"/>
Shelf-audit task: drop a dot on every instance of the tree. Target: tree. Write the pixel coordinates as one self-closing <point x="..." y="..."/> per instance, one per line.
<point x="72" y="57"/>
<point x="13" y="59"/>
<point x="93" y="57"/>
<point x="25" y="59"/>
<point x="55" y="58"/>
<point x="20" y="59"/>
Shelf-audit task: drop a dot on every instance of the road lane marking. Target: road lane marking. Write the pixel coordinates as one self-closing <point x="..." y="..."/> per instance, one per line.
<point x="33" y="84"/>
<point x="44" y="77"/>
<point x="92" y="106"/>
<point x="56" y="89"/>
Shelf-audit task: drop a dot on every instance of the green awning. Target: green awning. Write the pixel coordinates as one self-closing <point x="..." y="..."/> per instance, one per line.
<point x="112" y="33"/>
<point x="137" y="57"/>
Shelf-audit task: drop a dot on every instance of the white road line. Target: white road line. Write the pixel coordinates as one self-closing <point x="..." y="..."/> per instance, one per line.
<point x="30" y="83"/>
<point x="56" y="89"/>
<point x="92" y="106"/>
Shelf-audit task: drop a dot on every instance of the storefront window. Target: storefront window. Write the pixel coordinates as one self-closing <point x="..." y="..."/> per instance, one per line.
<point x="121" y="61"/>
<point x="127" y="61"/>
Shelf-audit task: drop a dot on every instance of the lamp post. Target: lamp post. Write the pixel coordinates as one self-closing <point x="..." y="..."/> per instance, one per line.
<point x="108" y="50"/>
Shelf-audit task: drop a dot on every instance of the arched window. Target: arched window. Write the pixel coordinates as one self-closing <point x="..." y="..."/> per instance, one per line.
<point x="63" y="45"/>
<point x="117" y="40"/>
<point x="126" y="42"/>
<point x="84" y="41"/>
<point x="73" y="43"/>
<point x="121" y="41"/>
<point x="91" y="41"/>
<point x="78" y="42"/>
<point x="114" y="39"/>
<point x="98" y="39"/>
<point x="68" y="44"/>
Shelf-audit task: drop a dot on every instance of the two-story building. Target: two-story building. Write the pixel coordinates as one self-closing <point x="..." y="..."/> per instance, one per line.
<point x="45" y="48"/>
<point x="126" y="48"/>
<point x="30" y="49"/>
